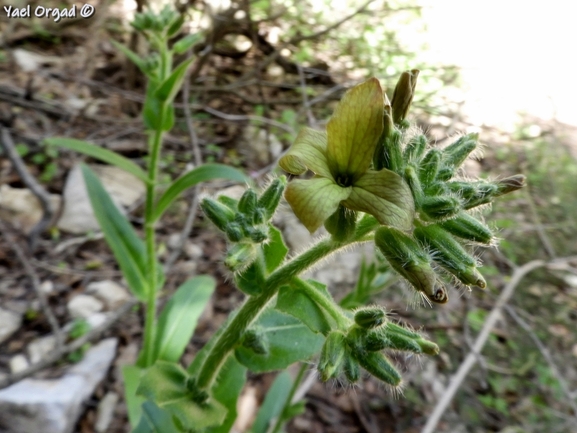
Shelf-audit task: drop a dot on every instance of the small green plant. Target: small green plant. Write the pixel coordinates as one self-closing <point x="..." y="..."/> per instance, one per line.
<point x="376" y="180"/>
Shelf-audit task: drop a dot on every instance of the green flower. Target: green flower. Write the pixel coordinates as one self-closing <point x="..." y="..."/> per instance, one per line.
<point x="341" y="159"/>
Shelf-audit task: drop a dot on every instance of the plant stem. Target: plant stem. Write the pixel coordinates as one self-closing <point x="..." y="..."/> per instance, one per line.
<point x="289" y="398"/>
<point x="343" y="322"/>
<point x="150" y="315"/>
<point x="255" y="305"/>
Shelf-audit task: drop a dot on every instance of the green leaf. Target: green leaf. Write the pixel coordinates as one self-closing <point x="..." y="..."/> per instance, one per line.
<point x="131" y="375"/>
<point x="385" y="195"/>
<point x="200" y="174"/>
<point x="354" y="129"/>
<point x="132" y="56"/>
<point x="251" y="281"/>
<point x="165" y="385"/>
<point x="155" y="420"/>
<point x="228" y="386"/>
<point x="186" y="42"/>
<point x="274" y="250"/>
<point x="178" y="319"/>
<point x="101" y="154"/>
<point x="298" y="304"/>
<point x="127" y="247"/>
<point x="273" y="403"/>
<point x="307" y="152"/>
<point x="175" y="26"/>
<point x="170" y="87"/>
<point x="290" y="341"/>
<point x="314" y="200"/>
<point x="151" y="111"/>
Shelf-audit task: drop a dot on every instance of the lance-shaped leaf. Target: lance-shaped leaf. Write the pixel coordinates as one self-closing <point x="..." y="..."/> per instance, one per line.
<point x="386" y="196"/>
<point x="314" y="200"/>
<point x="354" y="129"/>
<point x="307" y="152"/>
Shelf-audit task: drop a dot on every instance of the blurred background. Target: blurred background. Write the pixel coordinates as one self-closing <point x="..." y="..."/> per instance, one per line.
<point x="263" y="69"/>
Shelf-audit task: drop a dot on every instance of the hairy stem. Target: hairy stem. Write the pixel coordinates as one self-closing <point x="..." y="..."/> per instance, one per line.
<point x="255" y="305"/>
<point x="150" y="317"/>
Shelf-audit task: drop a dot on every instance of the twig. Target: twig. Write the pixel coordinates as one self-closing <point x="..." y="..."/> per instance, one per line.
<point x="539" y="227"/>
<point x="35" y="284"/>
<point x="75" y="345"/>
<point x="32" y="184"/>
<point x="471" y="358"/>
<point x="311" y="119"/>
<point x="546" y="354"/>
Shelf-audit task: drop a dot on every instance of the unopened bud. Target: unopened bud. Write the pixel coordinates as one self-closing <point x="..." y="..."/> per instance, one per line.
<point x="428" y="347"/>
<point x="332" y="355"/>
<point x="270" y="198"/>
<point x="370" y="317"/>
<point x="379" y="366"/>
<point x="430" y="167"/>
<point x="403" y="95"/>
<point x="239" y="256"/>
<point x="474" y="194"/>
<point x="229" y="202"/>
<point x="351" y="368"/>
<point x="342" y="223"/>
<point x="455" y="154"/>
<point x="218" y="213"/>
<point x="247" y="204"/>
<point x="403" y="343"/>
<point x="257" y="235"/>
<point x="450" y="254"/>
<point x="415" y="149"/>
<point x="408" y="258"/>
<point x="468" y="227"/>
<point x="440" y="207"/>
<point x="445" y="173"/>
<point x="375" y="341"/>
<point x="510" y="184"/>
<point x="234" y="232"/>
<point x="414" y="183"/>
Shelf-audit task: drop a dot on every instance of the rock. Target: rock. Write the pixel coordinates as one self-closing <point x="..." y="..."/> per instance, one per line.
<point x="55" y="405"/>
<point x="21" y="208"/>
<point x="97" y="319"/>
<point x="10" y="322"/>
<point x="30" y="62"/>
<point x="112" y="294"/>
<point x="83" y="306"/>
<point x="193" y="251"/>
<point x="40" y="347"/>
<point x="77" y="216"/>
<point x="18" y="363"/>
<point x="47" y="287"/>
<point x="295" y="234"/>
<point x="105" y="412"/>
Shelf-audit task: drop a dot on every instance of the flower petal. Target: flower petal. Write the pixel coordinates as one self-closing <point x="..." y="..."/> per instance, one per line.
<point x="307" y="152"/>
<point x="354" y="129"/>
<point x="314" y="200"/>
<point x="385" y="195"/>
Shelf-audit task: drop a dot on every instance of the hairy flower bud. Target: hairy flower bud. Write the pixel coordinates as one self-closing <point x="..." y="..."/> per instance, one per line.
<point x="440" y="207"/>
<point x="450" y="254"/>
<point x="256" y="341"/>
<point x="402" y="342"/>
<point x="270" y="198"/>
<point x="455" y="154"/>
<point x="409" y="259"/>
<point x="430" y="167"/>
<point x="351" y="368"/>
<point x="239" y="256"/>
<point x="415" y="149"/>
<point x="247" y="204"/>
<point x="428" y="347"/>
<point x="510" y="184"/>
<point x="332" y="355"/>
<point x="234" y="232"/>
<point x="370" y="317"/>
<point x="218" y="213"/>
<point x="468" y="227"/>
<point x="379" y="366"/>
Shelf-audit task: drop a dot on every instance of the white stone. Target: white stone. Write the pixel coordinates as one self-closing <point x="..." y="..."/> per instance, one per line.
<point x="77" y="216"/>
<point x="97" y="319"/>
<point x="54" y="405"/>
<point x="47" y="287"/>
<point x="21" y="208"/>
<point x="193" y="251"/>
<point x="83" y="306"/>
<point x="18" y="363"/>
<point x="10" y="322"/>
<point x="260" y="148"/>
<point x="111" y="293"/>
<point x="105" y="412"/>
<point x="40" y="347"/>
